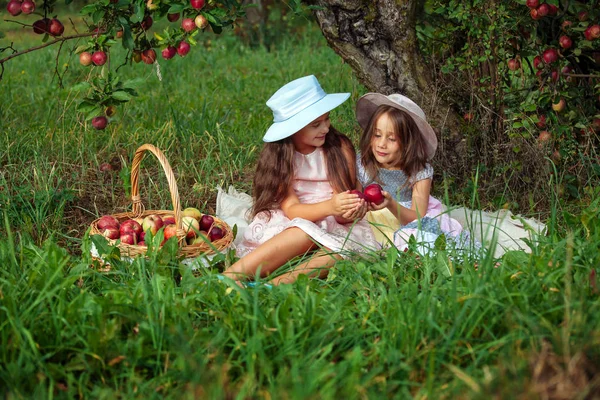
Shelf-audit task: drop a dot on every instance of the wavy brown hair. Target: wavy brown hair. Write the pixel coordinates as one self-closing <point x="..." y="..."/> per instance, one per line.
<point x="275" y="170"/>
<point x="413" y="154"/>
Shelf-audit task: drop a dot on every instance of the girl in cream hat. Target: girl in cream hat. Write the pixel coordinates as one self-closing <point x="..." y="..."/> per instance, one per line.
<point x="395" y="149"/>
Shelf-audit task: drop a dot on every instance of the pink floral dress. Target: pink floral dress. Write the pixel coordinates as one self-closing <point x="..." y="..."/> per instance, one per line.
<point x="311" y="186"/>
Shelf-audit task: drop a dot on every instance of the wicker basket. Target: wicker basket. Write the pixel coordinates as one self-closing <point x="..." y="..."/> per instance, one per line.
<point x="186" y="250"/>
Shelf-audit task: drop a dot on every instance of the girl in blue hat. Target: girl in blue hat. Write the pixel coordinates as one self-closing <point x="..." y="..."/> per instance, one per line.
<point x="301" y="190"/>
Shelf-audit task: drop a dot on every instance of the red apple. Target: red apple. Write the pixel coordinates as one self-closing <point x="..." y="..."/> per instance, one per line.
<point x="107" y="221"/>
<point x="514" y="64"/>
<point x="188" y="24"/>
<point x="170" y="231"/>
<point x="85" y="58"/>
<point x="537" y="62"/>
<point x="55" y="27"/>
<point x="565" y="42"/>
<point x="106" y="167"/>
<point x="357" y="192"/>
<point x="596" y="124"/>
<point x="142" y="236"/>
<point x="190" y="225"/>
<point x="543" y="10"/>
<point x="197" y="4"/>
<point x="552" y="9"/>
<point x="582" y="16"/>
<point x="215" y="234"/>
<point x="141" y="243"/>
<point x="129" y="238"/>
<point x="595" y="31"/>
<point x="14" y="7"/>
<point x="99" y="58"/>
<point x="111" y="233"/>
<point x="550" y="56"/>
<point x="468" y="117"/>
<point x="27" y="7"/>
<point x="554" y="76"/>
<point x="146" y="23"/>
<point x="566" y="24"/>
<point x="169" y="220"/>
<point x="373" y="193"/>
<point x="534" y="14"/>
<point x="183" y="48"/>
<point x="149" y="56"/>
<point x="200" y="21"/>
<point x="169" y="52"/>
<point x="41" y="26"/>
<point x="99" y="123"/>
<point x="206" y="222"/>
<point x="173" y="17"/>
<point x="588" y="34"/>
<point x="119" y="34"/>
<point x="533" y="3"/>
<point x="152" y="223"/>
<point x="544" y="137"/>
<point x="541" y="121"/>
<point x="131" y="226"/>
<point x="559" y="106"/>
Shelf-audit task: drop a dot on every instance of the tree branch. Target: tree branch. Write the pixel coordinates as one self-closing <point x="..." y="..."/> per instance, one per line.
<point x="62" y="39"/>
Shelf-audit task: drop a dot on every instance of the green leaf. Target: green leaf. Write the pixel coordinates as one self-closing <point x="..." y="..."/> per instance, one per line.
<point x="127" y="41"/>
<point x="86" y="106"/>
<point x="93" y="113"/>
<point x="121" y="96"/>
<point x="176" y="8"/>
<point x="97" y="16"/>
<point x="89" y="9"/>
<point x="134" y="83"/>
<point x="81" y="86"/>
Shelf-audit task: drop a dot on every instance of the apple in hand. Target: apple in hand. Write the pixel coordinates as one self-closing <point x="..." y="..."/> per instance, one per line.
<point x="357" y="192"/>
<point x="374" y="194"/>
<point x="206" y="222"/>
<point x="107" y="221"/>
<point x="152" y="223"/>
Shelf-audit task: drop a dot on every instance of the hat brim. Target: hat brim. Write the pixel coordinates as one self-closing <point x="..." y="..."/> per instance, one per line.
<point x="367" y="104"/>
<point x="284" y="129"/>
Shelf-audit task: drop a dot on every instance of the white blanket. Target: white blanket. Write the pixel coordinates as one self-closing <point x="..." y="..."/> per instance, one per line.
<point x="510" y="231"/>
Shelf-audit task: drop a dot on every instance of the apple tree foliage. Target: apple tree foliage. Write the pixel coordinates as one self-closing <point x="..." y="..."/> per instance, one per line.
<point x="123" y="23"/>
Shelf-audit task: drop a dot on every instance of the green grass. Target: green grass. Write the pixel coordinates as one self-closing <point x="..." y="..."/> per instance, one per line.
<point x="385" y="326"/>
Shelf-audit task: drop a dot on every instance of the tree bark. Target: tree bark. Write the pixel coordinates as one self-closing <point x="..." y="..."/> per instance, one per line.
<point x="378" y="40"/>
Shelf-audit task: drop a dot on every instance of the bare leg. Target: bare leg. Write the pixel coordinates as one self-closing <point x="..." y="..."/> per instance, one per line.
<point x="272" y="254"/>
<point x="317" y="266"/>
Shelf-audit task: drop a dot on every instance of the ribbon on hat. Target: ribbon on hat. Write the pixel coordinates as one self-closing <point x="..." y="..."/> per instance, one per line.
<point x="293" y="103"/>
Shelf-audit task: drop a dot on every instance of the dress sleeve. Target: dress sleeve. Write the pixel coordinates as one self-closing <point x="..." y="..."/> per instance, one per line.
<point x="425" y="173"/>
<point x="361" y="174"/>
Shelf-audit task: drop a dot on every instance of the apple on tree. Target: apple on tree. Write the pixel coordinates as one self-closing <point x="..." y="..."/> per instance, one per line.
<point x="13" y="7"/>
<point x="188" y="24"/>
<point x="99" y="58"/>
<point x="27" y="7"/>
<point x="183" y="48"/>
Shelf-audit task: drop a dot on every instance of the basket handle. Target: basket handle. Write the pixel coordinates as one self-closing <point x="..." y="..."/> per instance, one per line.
<point x="138" y="207"/>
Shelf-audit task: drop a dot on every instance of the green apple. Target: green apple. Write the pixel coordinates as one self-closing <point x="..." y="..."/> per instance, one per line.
<point x="192" y="212"/>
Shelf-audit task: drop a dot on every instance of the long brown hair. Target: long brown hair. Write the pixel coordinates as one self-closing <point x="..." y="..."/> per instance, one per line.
<point x="413" y="154"/>
<point x="275" y="170"/>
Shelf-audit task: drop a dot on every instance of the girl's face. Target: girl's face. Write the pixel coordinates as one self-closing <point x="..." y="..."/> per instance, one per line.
<point x="385" y="143"/>
<point x="307" y="139"/>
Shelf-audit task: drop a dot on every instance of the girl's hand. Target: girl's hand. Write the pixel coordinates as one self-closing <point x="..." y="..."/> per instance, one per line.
<point x="387" y="200"/>
<point x="357" y="213"/>
<point x="344" y="202"/>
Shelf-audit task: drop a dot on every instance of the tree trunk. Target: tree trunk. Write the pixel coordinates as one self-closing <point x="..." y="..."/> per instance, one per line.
<point x="378" y="40"/>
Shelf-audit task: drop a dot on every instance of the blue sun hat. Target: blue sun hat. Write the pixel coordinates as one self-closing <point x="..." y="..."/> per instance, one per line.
<point x="297" y="104"/>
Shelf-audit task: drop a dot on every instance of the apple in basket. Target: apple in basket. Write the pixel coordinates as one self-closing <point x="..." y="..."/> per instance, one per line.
<point x="169" y="220"/>
<point x="373" y="193"/>
<point x="107" y="221"/>
<point x="192" y="212"/>
<point x="129" y="238"/>
<point x="111" y="233"/>
<point x="170" y="231"/>
<point x="200" y="239"/>
<point x="216" y="233"/>
<point x="206" y="222"/>
<point x="358" y="192"/>
<point x="130" y="226"/>
<point x="152" y="223"/>
<point x="190" y="226"/>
